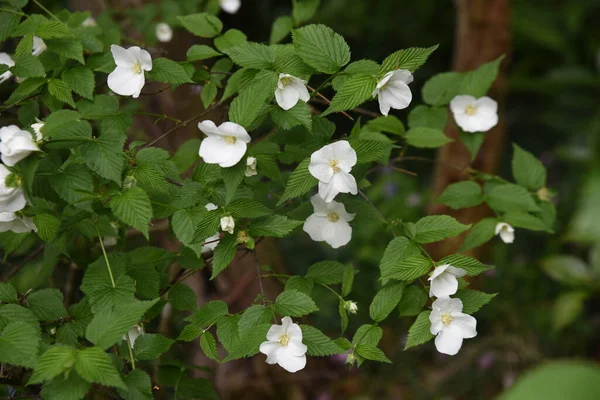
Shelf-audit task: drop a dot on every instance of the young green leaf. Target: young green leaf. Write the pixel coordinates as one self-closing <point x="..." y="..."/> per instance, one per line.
<point x="473" y="266"/>
<point x="461" y="195"/>
<point x="19" y="343"/>
<point x="411" y="59"/>
<point x="419" y="331"/>
<point x="224" y="254"/>
<point x="182" y="297"/>
<point x="482" y="232"/>
<point x="95" y="366"/>
<point x="385" y="301"/>
<point x="294" y="304"/>
<point x="132" y="206"/>
<point x="149" y="346"/>
<point x="437" y="227"/>
<point x="356" y="90"/>
<point x="321" y="48"/>
<point x="208" y="344"/>
<point x="412" y="302"/>
<point x="319" y="344"/>
<point x="299" y="182"/>
<point x="527" y="170"/>
<point x="202" y="24"/>
<point x="473" y="300"/>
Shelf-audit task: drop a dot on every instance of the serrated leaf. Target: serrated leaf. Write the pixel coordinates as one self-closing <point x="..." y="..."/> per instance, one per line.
<point x="139" y="386"/>
<point x="247" y="208"/>
<point x="461" y="195"/>
<point x="249" y="342"/>
<point x="132" y="206"/>
<point x="209" y="313"/>
<point x="182" y="297"/>
<point x="412" y="302"/>
<point x="224" y="254"/>
<point x="208" y="94"/>
<point x="80" y="80"/>
<point x="509" y="197"/>
<point x="356" y="90"/>
<point x="419" y="331"/>
<point x="371" y="352"/>
<point x="520" y="219"/>
<point x="56" y="360"/>
<point x="294" y="304"/>
<point x="61" y="91"/>
<point x="408" y="269"/>
<point x="385" y="301"/>
<point x="300" y="182"/>
<point x="201" y="52"/>
<point x="347" y="280"/>
<point x="428" y="117"/>
<point x="367" y="334"/>
<point x="399" y="249"/>
<point x="67" y="47"/>
<point x="281" y="28"/>
<point x="232" y="37"/>
<point x="473" y="300"/>
<point x="168" y="71"/>
<point x="208" y="344"/>
<point x="371" y="150"/>
<point x="319" y="344"/>
<point x="327" y="272"/>
<point x="227" y="331"/>
<point x="300" y="284"/>
<point x="252" y="55"/>
<point x="254" y="316"/>
<point x="73" y="387"/>
<point x="249" y="105"/>
<point x="300" y="114"/>
<point x="47" y="226"/>
<point x="527" y="170"/>
<point x="411" y="59"/>
<point x="389" y="124"/>
<point x="8" y="293"/>
<point x="95" y="366"/>
<point x="482" y="232"/>
<point x="473" y="266"/>
<point x="202" y="24"/>
<point x="19" y="343"/>
<point x="27" y="66"/>
<point x="52" y="29"/>
<point x="149" y="346"/>
<point x="321" y="48"/>
<point x="273" y="226"/>
<point x="47" y="304"/>
<point x="423" y="137"/>
<point x="304" y="10"/>
<point x="104" y="155"/>
<point x="437" y="227"/>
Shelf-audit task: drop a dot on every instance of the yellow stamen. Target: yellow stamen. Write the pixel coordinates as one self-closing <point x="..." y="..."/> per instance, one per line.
<point x="333" y="217"/>
<point x="137" y="68"/>
<point x="284" y="339"/>
<point x="286" y="80"/>
<point x="230" y="139"/>
<point x="334" y="165"/>
<point x="470" y="110"/>
<point x="446" y="319"/>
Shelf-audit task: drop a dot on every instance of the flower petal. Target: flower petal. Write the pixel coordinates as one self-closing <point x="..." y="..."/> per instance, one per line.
<point x="209" y="128"/>
<point x="235" y="130"/>
<point x="449" y="340"/>
<point x="445" y="284"/>
<point x="384" y="106"/>
<point x="275" y="332"/>
<point x="327" y="191"/>
<point x="297" y="348"/>
<point x="288" y="361"/>
<point x="230" y="6"/>
<point x="344" y="154"/>
<point x="344" y="183"/>
<point x="319" y="206"/>
<point x="236" y="152"/>
<point x="402" y="75"/>
<point x="287" y="97"/>
<point x="141" y="56"/>
<point x="459" y="103"/>
<point x="337" y="234"/>
<point x="125" y="82"/>
<point x="314" y="226"/>
<point x="270" y="350"/>
<point x="466" y="323"/>
<point x="122" y="57"/>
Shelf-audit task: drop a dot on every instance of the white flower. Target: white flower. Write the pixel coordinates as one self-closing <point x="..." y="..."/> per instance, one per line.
<point x="506" y="232"/>
<point x="11" y="198"/>
<point x="289" y="90"/>
<point x="5" y="59"/>
<point x="164" y="33"/>
<point x="225" y="144"/>
<point x="37" y="128"/>
<point x="450" y="325"/>
<point x="212" y="241"/>
<point x="9" y="221"/>
<point x="133" y="332"/>
<point x="329" y="223"/>
<point x="15" y="144"/>
<point x="250" y="166"/>
<point x="392" y="91"/>
<point x="443" y="280"/>
<point x="89" y="21"/>
<point x="227" y="224"/>
<point x="39" y="46"/>
<point x="351" y="306"/>
<point x="230" y="6"/>
<point x="128" y="79"/>
<point x="331" y="165"/>
<point x="474" y="115"/>
<point x="284" y="346"/>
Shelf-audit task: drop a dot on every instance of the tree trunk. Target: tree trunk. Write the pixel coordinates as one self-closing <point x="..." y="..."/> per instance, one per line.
<point x="482" y="35"/>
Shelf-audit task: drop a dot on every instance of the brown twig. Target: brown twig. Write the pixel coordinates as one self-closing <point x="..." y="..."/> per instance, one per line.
<point x="344" y="113"/>
<point x="18" y="267"/>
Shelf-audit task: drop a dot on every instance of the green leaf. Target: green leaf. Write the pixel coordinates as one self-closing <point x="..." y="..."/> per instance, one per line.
<point x="473" y="266"/>
<point x="273" y="226"/>
<point x="47" y="304"/>
<point x="8" y="23"/>
<point x="224" y="254"/>
<point x="67" y="47"/>
<point x="27" y="66"/>
<point x="300" y="182"/>
<point x="8" y="293"/>
<point x="73" y="387"/>
<point x="321" y="48"/>
<point x="411" y="59"/>
<point x="371" y="150"/>
<point x="95" y="366"/>
<point x="202" y="24"/>
<point x="520" y="219"/>
<point x="61" y="91"/>
<point x="482" y="232"/>
<point x="249" y="342"/>
<point x="428" y="117"/>
<point x="423" y="137"/>
<point x="190" y="332"/>
<point x="568" y="270"/>
<point x="419" y="331"/>
<point x="26" y="88"/>
<point x="19" y="344"/>
<point x="528" y="170"/>
<point x="304" y="10"/>
<point x="227" y="331"/>
<point x="347" y="280"/>
<point x="398" y="250"/>
<point x="247" y="208"/>
<point x="389" y="124"/>
<point x="567" y="309"/>
<point x="47" y="226"/>
<point x="509" y="197"/>
<point x="232" y="37"/>
<point x="56" y="360"/>
<point x="371" y="352"/>
<point x="408" y="269"/>
<point x="294" y="304"/>
<point x="80" y="80"/>
<point x="208" y="344"/>
<point x="182" y="297"/>
<point x="473" y="300"/>
<point x="300" y="114"/>
<point x="209" y="313"/>
<point x="168" y="71"/>
<point x="461" y="195"/>
<point x="149" y="346"/>
<point x="327" y="272"/>
<point x="254" y="316"/>
<point x="252" y="55"/>
<point x="412" y="302"/>
<point x="98" y="282"/>
<point x="208" y="94"/>
<point x="132" y="206"/>
<point x="109" y="324"/>
<point x="319" y="344"/>
<point x="300" y="284"/>
<point x="367" y="334"/>
<point x="249" y="105"/>
<point x="437" y="227"/>
<point x="53" y="29"/>
<point x="139" y="386"/>
<point x="104" y="155"/>
<point x="385" y="301"/>
<point x="281" y="28"/>
<point x="201" y="52"/>
<point x="356" y="90"/>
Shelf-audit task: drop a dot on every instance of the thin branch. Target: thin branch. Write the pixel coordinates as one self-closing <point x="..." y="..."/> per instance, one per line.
<point x="159" y="116"/>
<point x="18" y="267"/>
<point x="112" y="278"/>
<point x="344" y="113"/>
<point x="157" y="92"/>
<point x="364" y="196"/>
<point x="260" y="283"/>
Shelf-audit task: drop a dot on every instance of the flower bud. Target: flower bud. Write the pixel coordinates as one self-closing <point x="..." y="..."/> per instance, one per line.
<point x="227" y="224"/>
<point x="250" y="166"/>
<point x="351" y="306"/>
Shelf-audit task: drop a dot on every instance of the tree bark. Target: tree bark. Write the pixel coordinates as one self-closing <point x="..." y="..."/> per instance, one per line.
<point x="482" y="35"/>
